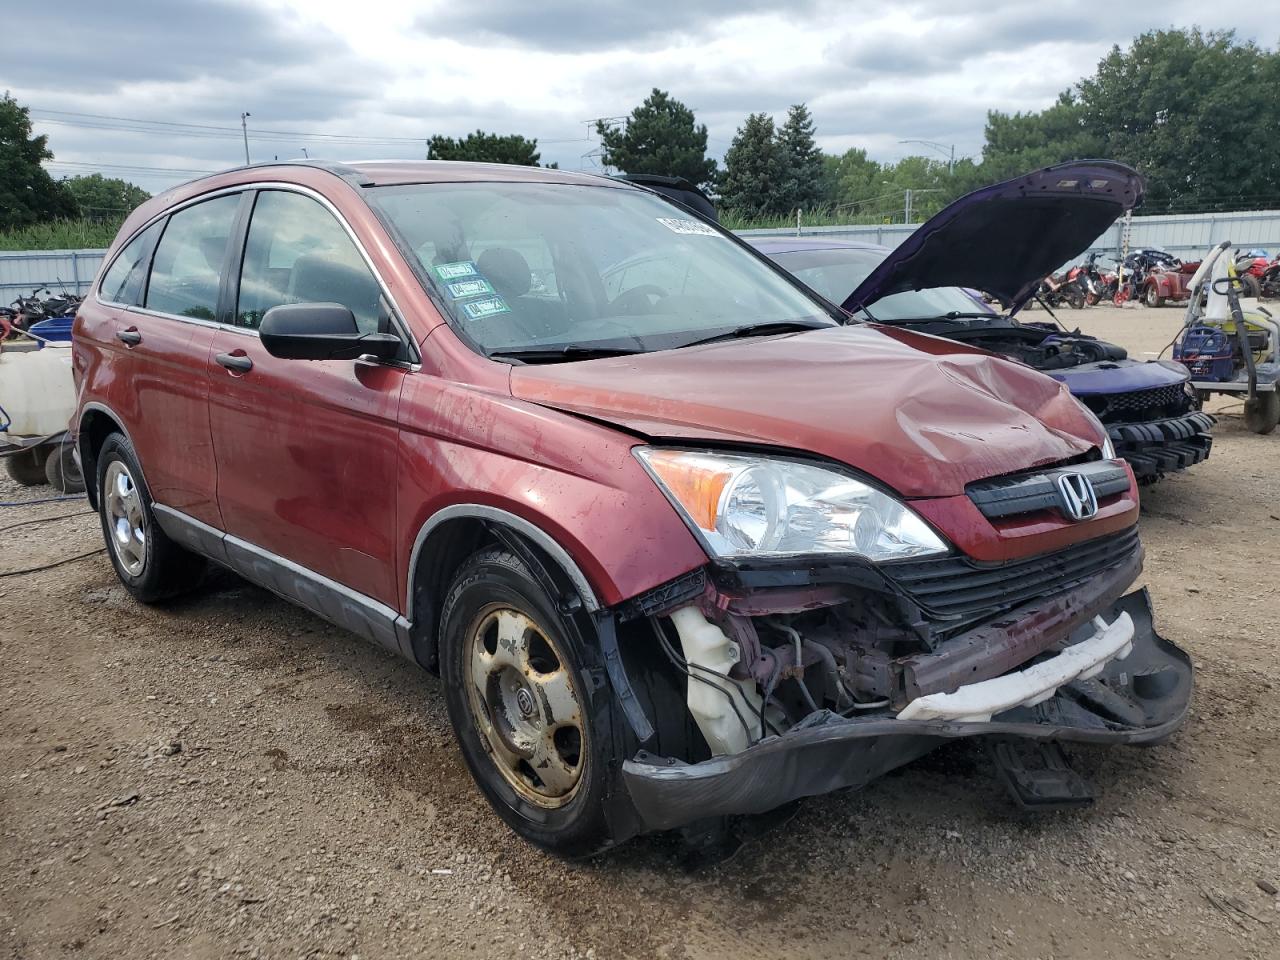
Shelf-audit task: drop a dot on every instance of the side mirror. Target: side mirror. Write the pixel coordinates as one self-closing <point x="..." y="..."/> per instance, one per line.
<point x="321" y="331"/>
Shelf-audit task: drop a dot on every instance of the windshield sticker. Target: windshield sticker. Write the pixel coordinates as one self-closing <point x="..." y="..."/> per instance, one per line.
<point x="481" y="309"/>
<point x="693" y="227"/>
<point x="455" y="271"/>
<point x="470" y="288"/>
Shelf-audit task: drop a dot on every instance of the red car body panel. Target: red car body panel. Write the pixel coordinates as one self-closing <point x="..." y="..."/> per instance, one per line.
<point x="853" y="394"/>
<point x="357" y="458"/>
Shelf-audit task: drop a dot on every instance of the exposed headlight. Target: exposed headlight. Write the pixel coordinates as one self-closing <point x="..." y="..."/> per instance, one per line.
<point x="1108" y="448"/>
<point x="744" y="505"/>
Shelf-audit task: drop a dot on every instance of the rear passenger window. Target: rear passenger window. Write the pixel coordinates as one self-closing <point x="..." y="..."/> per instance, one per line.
<point x="188" y="260"/>
<point x="297" y="252"/>
<point x="124" y="279"/>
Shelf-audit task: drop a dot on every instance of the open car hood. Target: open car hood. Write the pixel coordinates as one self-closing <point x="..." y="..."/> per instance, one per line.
<point x="1004" y="239"/>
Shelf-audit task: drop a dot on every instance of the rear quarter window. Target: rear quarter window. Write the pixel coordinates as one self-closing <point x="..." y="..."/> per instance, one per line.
<point x="124" y="279"/>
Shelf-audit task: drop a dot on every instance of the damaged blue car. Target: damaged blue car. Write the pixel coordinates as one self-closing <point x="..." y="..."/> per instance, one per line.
<point x="1003" y="240"/>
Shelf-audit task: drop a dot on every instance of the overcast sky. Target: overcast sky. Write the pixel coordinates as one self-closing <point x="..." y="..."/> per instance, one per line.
<point x="312" y="71"/>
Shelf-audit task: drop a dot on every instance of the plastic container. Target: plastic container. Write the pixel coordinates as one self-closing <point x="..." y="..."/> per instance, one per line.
<point x="54" y="330"/>
<point x="36" y="390"/>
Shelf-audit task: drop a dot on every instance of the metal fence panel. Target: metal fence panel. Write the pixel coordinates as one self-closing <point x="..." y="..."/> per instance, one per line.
<point x="23" y="271"/>
<point x="1185" y="235"/>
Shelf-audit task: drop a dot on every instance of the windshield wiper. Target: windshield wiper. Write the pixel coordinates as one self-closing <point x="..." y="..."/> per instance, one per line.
<point x="570" y="352"/>
<point x="761" y="330"/>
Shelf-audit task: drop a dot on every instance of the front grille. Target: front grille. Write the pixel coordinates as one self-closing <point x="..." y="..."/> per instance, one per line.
<point x="1137" y="405"/>
<point x="1037" y="490"/>
<point x="961" y="592"/>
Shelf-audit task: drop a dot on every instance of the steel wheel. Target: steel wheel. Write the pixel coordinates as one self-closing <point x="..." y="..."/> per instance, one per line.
<point x="126" y="518"/>
<point x="525" y="705"/>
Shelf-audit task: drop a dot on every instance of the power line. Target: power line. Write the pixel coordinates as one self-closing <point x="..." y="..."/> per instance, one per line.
<point x="126" y="167"/>
<point x="97" y="121"/>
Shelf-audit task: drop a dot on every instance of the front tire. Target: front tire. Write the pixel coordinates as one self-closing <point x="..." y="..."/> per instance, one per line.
<point x="543" y="742"/>
<point x="150" y="565"/>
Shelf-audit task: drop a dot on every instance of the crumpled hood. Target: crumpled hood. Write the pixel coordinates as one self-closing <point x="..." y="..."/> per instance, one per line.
<point x="1005" y="238"/>
<point x="923" y="415"/>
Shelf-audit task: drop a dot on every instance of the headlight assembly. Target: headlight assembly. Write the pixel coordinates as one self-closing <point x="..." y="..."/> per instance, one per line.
<point x="744" y="505"/>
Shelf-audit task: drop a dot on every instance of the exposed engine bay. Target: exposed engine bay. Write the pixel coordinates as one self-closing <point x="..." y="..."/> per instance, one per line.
<point x="1042" y="346"/>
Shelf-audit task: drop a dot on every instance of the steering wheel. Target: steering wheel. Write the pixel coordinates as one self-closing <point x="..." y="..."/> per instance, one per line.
<point x="636" y="300"/>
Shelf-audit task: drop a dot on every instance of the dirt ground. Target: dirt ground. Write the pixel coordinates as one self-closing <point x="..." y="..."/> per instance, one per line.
<point x="230" y="776"/>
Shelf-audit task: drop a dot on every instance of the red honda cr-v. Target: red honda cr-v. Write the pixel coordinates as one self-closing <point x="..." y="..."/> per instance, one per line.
<point x="682" y="541"/>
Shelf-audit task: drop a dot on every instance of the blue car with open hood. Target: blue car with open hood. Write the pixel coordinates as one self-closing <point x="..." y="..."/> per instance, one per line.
<point x="1003" y="240"/>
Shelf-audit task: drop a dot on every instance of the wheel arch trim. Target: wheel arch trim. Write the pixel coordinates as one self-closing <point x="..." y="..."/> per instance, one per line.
<point x="91" y="480"/>
<point x="528" y="529"/>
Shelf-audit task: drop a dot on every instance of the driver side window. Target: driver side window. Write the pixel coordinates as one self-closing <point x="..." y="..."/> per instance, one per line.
<point x="297" y="252"/>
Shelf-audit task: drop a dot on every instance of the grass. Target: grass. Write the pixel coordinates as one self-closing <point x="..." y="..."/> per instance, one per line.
<point x="60" y="235"/>
<point x="825" y="216"/>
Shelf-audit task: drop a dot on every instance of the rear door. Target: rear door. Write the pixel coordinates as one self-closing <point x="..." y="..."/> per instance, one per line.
<point x="164" y="333"/>
<point x="306" y="450"/>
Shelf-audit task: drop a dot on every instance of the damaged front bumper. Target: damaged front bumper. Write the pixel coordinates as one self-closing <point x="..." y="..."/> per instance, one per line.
<point x="1139" y="698"/>
<point x="1157" y="447"/>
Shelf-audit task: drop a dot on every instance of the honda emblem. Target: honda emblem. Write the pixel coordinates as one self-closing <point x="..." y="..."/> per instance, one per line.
<point x="1075" y="491"/>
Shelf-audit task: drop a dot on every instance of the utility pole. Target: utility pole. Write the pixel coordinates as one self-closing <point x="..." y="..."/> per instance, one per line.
<point x="244" y="128"/>
<point x="947" y="148"/>
<point x="906" y="206"/>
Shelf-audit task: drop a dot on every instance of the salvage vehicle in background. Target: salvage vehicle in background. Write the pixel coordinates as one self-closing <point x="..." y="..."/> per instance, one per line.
<point x="995" y="240"/>
<point x="681" y="544"/>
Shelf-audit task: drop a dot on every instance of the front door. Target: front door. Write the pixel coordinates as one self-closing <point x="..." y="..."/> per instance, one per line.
<point x="306" y="450"/>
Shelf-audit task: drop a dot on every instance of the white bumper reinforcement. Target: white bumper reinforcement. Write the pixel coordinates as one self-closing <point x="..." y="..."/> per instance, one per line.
<point x="978" y="702"/>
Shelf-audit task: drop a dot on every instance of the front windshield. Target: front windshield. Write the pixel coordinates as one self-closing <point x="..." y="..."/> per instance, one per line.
<point x="529" y="267"/>
<point x="836" y="273"/>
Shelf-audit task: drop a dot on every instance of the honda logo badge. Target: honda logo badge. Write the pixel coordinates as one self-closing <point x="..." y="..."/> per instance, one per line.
<point x="1075" y="490"/>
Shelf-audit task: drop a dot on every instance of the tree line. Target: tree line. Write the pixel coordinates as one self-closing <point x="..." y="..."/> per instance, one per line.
<point x="1196" y="112"/>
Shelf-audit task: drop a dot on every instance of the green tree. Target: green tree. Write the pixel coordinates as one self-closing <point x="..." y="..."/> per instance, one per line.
<point x="105" y="198"/>
<point x="1194" y="111"/>
<point x="27" y="193"/>
<point x="484" y="147"/>
<point x="751" y="185"/>
<point x="801" y="184"/>
<point x="660" y="137"/>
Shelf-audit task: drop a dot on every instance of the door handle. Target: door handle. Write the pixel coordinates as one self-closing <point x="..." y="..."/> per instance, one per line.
<point x="131" y="336"/>
<point x="235" y="362"/>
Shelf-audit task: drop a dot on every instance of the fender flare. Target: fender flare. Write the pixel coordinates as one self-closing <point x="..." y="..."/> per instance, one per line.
<point x="90" y="477"/>
<point x="479" y="511"/>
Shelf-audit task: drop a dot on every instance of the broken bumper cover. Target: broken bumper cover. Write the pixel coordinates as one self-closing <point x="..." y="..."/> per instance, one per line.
<point x="1162" y="446"/>
<point x="1138" y="700"/>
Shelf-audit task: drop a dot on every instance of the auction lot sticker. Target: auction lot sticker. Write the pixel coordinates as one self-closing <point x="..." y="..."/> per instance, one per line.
<point x="470" y="288"/>
<point x="489" y="307"/>
<point x="678" y="225"/>
<point x="455" y="271"/>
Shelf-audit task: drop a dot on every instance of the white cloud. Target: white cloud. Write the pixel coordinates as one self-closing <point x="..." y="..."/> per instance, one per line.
<point x="872" y="73"/>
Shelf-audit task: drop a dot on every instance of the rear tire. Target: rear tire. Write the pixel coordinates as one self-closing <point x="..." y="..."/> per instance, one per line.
<point x="61" y="470"/>
<point x="1151" y="296"/>
<point x="528" y="701"/>
<point x="26" y="467"/>
<point x="1250" y="286"/>
<point x="150" y="565"/>
<point x="1262" y="413"/>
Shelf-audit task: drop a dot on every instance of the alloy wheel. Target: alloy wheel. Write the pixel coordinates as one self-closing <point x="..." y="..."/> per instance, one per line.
<point x="525" y="704"/>
<point x="126" y="518"/>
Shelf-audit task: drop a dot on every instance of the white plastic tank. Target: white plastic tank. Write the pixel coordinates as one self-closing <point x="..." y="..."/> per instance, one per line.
<point x="37" y="391"/>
